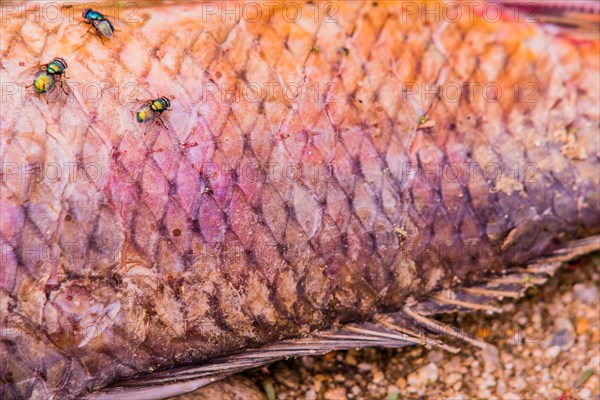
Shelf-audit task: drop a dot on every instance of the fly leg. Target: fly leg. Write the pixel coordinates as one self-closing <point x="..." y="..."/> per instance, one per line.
<point x="146" y="102"/>
<point x="86" y="32"/>
<point x="100" y="36"/>
<point x="162" y="123"/>
<point x="27" y="87"/>
<point x="62" y="86"/>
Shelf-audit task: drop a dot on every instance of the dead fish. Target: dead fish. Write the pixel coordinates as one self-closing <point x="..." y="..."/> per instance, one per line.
<point x="336" y="177"/>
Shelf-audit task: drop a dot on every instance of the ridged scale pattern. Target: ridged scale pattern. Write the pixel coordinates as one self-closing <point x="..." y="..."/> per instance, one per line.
<point x="162" y="261"/>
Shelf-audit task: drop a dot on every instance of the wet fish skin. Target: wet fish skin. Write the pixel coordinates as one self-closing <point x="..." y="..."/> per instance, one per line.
<point x="256" y="260"/>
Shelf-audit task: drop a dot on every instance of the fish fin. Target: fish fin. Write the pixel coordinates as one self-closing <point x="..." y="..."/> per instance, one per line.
<point x="410" y="326"/>
<point x="512" y="285"/>
<point x="404" y="328"/>
<point x="171" y="382"/>
<point x="579" y="19"/>
<point x="483" y="297"/>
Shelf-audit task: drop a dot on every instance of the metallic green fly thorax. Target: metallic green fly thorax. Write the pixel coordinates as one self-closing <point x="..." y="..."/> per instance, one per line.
<point x="160" y="104"/>
<point x="92" y="15"/>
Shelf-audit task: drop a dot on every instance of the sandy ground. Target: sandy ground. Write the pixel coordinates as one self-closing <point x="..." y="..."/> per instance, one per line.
<point x="547" y="346"/>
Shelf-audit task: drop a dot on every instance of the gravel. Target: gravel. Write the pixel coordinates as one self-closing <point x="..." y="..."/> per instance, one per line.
<point x="545" y="346"/>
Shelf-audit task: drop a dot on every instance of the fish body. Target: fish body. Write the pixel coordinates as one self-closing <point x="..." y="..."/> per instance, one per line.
<point x="303" y="191"/>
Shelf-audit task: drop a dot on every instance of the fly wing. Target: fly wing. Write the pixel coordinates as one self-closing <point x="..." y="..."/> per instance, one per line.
<point x="179" y="118"/>
<point x="30" y="72"/>
<point x="104" y="28"/>
<point x="63" y="84"/>
<point x="117" y="23"/>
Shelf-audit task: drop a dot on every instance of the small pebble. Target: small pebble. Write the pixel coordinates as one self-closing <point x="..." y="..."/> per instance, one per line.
<point x="393" y="390"/>
<point x="286" y="377"/>
<point x="564" y="336"/>
<point x="501" y="387"/>
<point x="553" y="352"/>
<point x="581" y="326"/>
<point x="308" y="362"/>
<point x="585" y="393"/>
<point x="338" y="393"/>
<point x="424" y="376"/>
<point x="519" y="365"/>
<point x="350" y="359"/>
<point x="401" y="382"/>
<point x="518" y="383"/>
<point x="378" y="376"/>
<point x="453" y="378"/>
<point x="365" y="367"/>
<point x="435" y="356"/>
<point x="490" y="357"/>
<point x="488" y="381"/>
<point x="567" y="297"/>
<point x="586" y="293"/>
<point x="317" y="386"/>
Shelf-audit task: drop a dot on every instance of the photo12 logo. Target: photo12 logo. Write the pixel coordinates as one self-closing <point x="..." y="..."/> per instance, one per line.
<point x="71" y="92"/>
<point x="67" y="11"/>
<point x="265" y="10"/>
<point x="255" y="11"/>
<point x="51" y="172"/>
<point x="222" y="11"/>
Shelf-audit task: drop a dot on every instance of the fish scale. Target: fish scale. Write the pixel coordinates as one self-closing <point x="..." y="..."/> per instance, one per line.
<point x="262" y="255"/>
